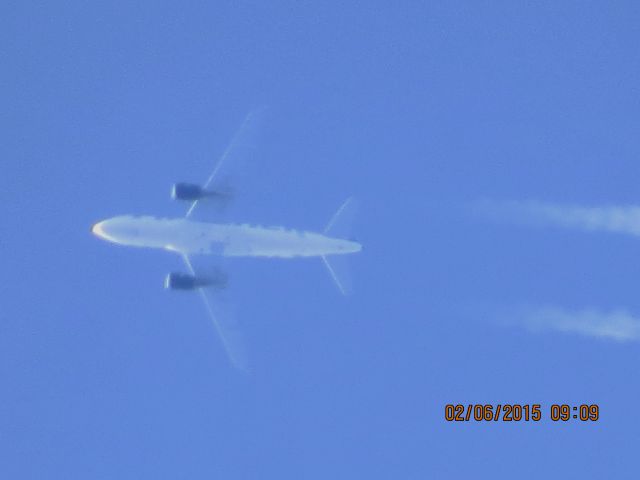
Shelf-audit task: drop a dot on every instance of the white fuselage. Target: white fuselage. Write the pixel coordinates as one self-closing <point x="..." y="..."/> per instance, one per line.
<point x="230" y="240"/>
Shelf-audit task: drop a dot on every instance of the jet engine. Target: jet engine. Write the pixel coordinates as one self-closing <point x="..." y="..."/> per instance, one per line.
<point x="188" y="192"/>
<point x="183" y="281"/>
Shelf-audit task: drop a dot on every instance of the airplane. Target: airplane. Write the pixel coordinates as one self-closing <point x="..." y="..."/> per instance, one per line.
<point x="192" y="239"/>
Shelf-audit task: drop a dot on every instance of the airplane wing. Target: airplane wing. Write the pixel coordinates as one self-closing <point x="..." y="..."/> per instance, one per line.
<point x="223" y="321"/>
<point x="238" y="149"/>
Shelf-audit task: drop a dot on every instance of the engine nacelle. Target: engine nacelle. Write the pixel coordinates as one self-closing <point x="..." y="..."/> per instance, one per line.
<point x="183" y="281"/>
<point x="188" y="191"/>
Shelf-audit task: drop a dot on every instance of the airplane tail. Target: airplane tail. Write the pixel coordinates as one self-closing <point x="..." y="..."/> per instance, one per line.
<point x="338" y="268"/>
<point x="340" y="224"/>
<point x="340" y="227"/>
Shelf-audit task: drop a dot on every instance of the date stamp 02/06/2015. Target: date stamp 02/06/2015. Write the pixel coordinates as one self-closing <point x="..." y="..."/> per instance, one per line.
<point x="514" y="412"/>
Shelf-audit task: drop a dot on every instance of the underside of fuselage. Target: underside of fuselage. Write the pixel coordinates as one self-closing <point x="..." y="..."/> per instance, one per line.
<point x="231" y="240"/>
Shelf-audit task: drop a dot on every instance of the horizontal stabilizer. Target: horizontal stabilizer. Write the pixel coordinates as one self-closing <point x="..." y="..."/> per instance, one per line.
<point x="338" y="268"/>
<point x="340" y="224"/>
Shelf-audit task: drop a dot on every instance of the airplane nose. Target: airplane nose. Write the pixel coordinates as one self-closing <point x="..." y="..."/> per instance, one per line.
<point x="97" y="230"/>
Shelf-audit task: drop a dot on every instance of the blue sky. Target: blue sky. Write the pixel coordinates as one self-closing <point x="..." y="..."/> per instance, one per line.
<point x="420" y="111"/>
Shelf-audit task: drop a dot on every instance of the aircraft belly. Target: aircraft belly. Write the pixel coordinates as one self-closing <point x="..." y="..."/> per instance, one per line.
<point x="241" y="240"/>
<point x="283" y="244"/>
<point x="195" y="239"/>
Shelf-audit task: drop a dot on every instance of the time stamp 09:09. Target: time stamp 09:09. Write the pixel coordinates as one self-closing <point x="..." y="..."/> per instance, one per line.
<point x="520" y="412"/>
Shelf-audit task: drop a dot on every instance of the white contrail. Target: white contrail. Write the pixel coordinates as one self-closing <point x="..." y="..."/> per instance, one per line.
<point x="616" y="325"/>
<point x="618" y="219"/>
